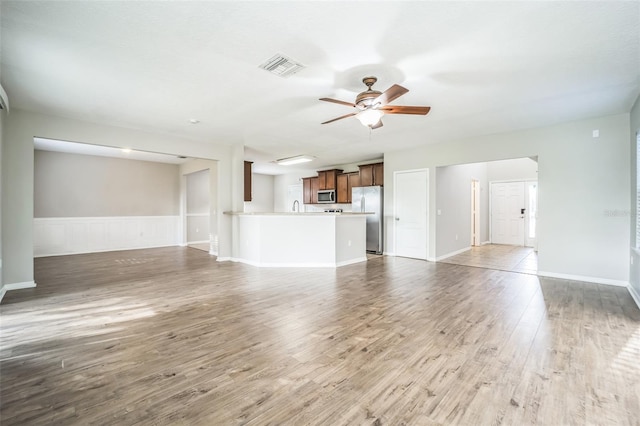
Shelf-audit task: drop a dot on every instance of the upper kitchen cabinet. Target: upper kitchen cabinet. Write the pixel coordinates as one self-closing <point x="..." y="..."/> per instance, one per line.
<point x="372" y="174"/>
<point x="315" y="186"/>
<point x="247" y="180"/>
<point x="327" y="179"/>
<point x="345" y="182"/>
<point x="310" y="187"/>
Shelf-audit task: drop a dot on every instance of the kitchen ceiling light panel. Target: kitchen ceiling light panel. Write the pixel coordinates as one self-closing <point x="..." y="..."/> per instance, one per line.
<point x="294" y="160"/>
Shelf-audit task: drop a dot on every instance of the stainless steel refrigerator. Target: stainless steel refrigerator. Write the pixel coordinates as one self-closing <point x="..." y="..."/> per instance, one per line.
<point x="369" y="199"/>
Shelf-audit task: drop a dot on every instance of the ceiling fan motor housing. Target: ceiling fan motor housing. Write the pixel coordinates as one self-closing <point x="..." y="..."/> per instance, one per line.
<point x="364" y="99"/>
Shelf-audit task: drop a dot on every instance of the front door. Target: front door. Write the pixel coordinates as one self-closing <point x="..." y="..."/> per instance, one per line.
<point x="508" y="211"/>
<point x="410" y="213"/>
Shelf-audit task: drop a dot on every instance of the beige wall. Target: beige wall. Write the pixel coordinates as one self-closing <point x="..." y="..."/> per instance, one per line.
<point x="71" y="185"/>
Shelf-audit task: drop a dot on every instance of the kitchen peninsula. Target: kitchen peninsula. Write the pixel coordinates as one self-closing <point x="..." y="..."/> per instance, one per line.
<point x="299" y="239"/>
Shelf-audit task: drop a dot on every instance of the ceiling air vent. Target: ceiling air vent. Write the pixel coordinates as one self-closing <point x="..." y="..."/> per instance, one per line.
<point x="282" y="66"/>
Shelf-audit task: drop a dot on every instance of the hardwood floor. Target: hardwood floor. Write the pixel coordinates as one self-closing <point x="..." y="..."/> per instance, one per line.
<point x="170" y="336"/>
<point x="497" y="256"/>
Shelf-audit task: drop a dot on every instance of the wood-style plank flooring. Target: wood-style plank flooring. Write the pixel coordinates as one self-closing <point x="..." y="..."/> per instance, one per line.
<point x="170" y="336"/>
<point x="497" y="256"/>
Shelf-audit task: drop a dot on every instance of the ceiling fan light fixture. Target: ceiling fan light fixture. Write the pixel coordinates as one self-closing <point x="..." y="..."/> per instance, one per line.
<point x="369" y="117"/>
<point x="295" y="160"/>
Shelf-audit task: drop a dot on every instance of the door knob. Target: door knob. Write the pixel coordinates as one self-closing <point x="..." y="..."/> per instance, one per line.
<point x="397" y="218"/>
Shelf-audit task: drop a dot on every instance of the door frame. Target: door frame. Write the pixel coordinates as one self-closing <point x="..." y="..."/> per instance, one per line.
<point x="395" y="208"/>
<point x="475" y="214"/>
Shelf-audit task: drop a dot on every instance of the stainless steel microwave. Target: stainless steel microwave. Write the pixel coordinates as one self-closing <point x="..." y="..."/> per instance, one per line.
<point x="327" y="196"/>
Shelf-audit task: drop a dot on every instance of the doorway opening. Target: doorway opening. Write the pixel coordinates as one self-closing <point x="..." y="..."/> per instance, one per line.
<point x="486" y="214"/>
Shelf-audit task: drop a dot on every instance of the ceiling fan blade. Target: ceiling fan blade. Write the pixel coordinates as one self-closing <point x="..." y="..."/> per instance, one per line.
<point x="377" y="125"/>
<point x="416" y="110"/>
<point x="336" y="101"/>
<point x="393" y="92"/>
<point x="340" y="118"/>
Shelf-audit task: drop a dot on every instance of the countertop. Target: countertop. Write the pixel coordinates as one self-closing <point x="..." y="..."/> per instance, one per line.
<point x="297" y="214"/>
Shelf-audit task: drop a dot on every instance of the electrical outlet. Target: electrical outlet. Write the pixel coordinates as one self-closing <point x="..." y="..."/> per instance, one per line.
<point x="349" y="244"/>
<point x="456" y="237"/>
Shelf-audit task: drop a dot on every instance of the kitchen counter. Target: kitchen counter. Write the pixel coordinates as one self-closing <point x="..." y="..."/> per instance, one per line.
<point x="289" y="239"/>
<point x="295" y="213"/>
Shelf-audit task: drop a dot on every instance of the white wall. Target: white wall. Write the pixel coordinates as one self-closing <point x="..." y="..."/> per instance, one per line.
<point x="262" y="198"/>
<point x="516" y="169"/>
<point x="581" y="178"/>
<point x="634" y="278"/>
<point x="281" y="187"/>
<point x="207" y="168"/>
<point x="198" y="206"/>
<point x="453" y="202"/>
<point x="2" y="127"/>
<point x="17" y="168"/>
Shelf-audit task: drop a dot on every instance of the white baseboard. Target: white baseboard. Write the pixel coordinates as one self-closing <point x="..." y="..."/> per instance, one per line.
<point x="634" y="295"/>
<point x="16" y="286"/>
<point x="453" y="253"/>
<point x="297" y="265"/>
<point x="351" y="261"/>
<point x="484" y="243"/>
<point x="224" y="259"/>
<point x="583" y="278"/>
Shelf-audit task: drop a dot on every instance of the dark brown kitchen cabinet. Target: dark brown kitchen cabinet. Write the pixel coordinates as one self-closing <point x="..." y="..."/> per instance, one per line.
<point x="378" y="174"/>
<point x="306" y="190"/>
<point x="372" y="174"/>
<point x="315" y="182"/>
<point x="247" y="180"/>
<point x="345" y="182"/>
<point x="366" y="175"/>
<point x="342" y="190"/>
<point x="327" y="179"/>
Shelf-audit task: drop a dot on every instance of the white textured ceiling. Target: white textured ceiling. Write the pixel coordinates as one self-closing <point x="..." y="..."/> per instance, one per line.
<point x="483" y="67"/>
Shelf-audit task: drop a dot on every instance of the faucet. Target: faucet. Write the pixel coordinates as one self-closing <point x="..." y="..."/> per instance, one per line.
<point x="296" y="203"/>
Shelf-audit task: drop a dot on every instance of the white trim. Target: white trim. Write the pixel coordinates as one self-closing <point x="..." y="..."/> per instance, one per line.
<point x="453" y="253"/>
<point x="484" y="243"/>
<point x="298" y="265"/>
<point x="224" y="259"/>
<point x="104" y="250"/>
<point x="199" y="242"/>
<point x="197" y="214"/>
<point x="634" y="295"/>
<point x="20" y="286"/>
<point x="15" y="286"/>
<point x="388" y="253"/>
<point x="582" y="278"/>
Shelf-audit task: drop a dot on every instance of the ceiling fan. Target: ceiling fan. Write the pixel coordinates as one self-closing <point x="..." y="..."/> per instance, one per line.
<point x="372" y="104"/>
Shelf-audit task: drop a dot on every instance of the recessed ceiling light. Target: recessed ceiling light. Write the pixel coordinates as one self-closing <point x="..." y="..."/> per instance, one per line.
<point x="194" y="121"/>
<point x="126" y="150"/>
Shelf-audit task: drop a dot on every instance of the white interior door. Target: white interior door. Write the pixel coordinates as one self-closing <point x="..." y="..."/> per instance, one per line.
<point x="411" y="213"/>
<point x="507" y="213"/>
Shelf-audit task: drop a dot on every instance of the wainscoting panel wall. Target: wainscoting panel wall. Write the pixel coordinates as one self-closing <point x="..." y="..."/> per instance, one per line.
<point x="72" y="235"/>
